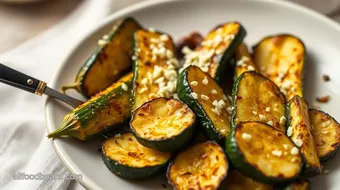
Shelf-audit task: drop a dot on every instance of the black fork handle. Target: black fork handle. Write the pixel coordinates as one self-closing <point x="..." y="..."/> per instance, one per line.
<point x="20" y="80"/>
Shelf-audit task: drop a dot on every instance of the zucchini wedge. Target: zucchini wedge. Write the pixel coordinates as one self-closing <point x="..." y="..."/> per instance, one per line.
<point x="238" y="181"/>
<point x="109" y="62"/>
<point x="102" y="112"/>
<point x="216" y="50"/>
<point x="326" y="133"/>
<point x="203" y="95"/>
<point x="125" y="157"/>
<point x="257" y="98"/>
<point x="163" y="124"/>
<point x="281" y="59"/>
<point x="154" y="68"/>
<point x="300" y="132"/>
<point x="201" y="166"/>
<point x="300" y="184"/>
<point x="244" y="61"/>
<point x="263" y="153"/>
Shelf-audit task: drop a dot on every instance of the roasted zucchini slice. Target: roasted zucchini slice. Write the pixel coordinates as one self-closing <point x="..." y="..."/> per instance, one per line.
<point x="281" y="59"/>
<point x="109" y="62"/>
<point x="300" y="132"/>
<point x="263" y="153"/>
<point x="155" y="67"/>
<point x="201" y="166"/>
<point x="125" y="157"/>
<point x="326" y="133"/>
<point x="238" y="181"/>
<point x="244" y="61"/>
<point x="257" y="98"/>
<point x="163" y="124"/>
<point x="215" y="51"/>
<point x="102" y="112"/>
<point x="203" y="95"/>
<point x="299" y="184"/>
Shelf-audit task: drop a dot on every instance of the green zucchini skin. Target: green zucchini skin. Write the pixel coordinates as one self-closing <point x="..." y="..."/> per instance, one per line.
<point x="228" y="54"/>
<point x="95" y="116"/>
<point x="129" y="172"/>
<point x="164" y="144"/>
<point x="87" y="88"/>
<point x="240" y="163"/>
<point x="167" y="145"/>
<point x="184" y="93"/>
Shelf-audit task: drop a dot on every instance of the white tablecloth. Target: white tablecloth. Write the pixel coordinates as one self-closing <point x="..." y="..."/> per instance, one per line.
<point x="23" y="143"/>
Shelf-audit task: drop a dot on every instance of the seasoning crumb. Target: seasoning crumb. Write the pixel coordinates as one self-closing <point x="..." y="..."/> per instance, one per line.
<point x="325" y="171"/>
<point x="163" y="185"/>
<point x="326" y="78"/>
<point x="99" y="149"/>
<point x="323" y="99"/>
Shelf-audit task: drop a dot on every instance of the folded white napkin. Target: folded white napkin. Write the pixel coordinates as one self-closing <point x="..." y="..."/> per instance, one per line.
<point x="23" y="144"/>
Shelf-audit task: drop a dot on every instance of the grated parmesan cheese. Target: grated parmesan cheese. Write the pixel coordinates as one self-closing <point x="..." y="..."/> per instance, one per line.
<point x="205" y="81"/>
<point x="289" y="131"/>
<point x="194" y="83"/>
<point x="294" y="151"/>
<point x="204" y="97"/>
<point x="213" y="91"/>
<point x="125" y="87"/>
<point x="262" y="117"/>
<point x="297" y="142"/>
<point x="277" y="153"/>
<point x="194" y="95"/>
<point x="246" y="136"/>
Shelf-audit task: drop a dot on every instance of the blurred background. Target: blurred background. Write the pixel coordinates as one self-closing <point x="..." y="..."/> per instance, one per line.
<point x="24" y="19"/>
<point x="27" y="27"/>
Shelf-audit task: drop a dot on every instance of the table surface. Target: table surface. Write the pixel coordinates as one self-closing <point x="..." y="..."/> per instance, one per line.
<point x="21" y="21"/>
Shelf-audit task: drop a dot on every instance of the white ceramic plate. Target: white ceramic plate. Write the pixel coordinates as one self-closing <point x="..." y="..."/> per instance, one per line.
<point x="260" y="18"/>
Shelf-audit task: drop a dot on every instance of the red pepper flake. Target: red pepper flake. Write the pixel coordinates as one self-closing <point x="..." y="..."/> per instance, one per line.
<point x="326" y="78"/>
<point x="323" y="99"/>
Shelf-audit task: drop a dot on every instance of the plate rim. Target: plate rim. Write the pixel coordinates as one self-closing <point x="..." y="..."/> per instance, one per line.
<point x="89" y="184"/>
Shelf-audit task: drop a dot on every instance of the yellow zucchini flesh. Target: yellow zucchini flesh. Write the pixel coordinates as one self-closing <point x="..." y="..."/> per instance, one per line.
<point x="281" y="59"/>
<point x="125" y="157"/>
<point x="110" y="62"/>
<point x="263" y="153"/>
<point x="155" y="67"/>
<point x="163" y="124"/>
<point x="299" y="184"/>
<point x="256" y="98"/>
<point x="238" y="181"/>
<point x="201" y="166"/>
<point x="244" y="60"/>
<point x="300" y="132"/>
<point x="326" y="133"/>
